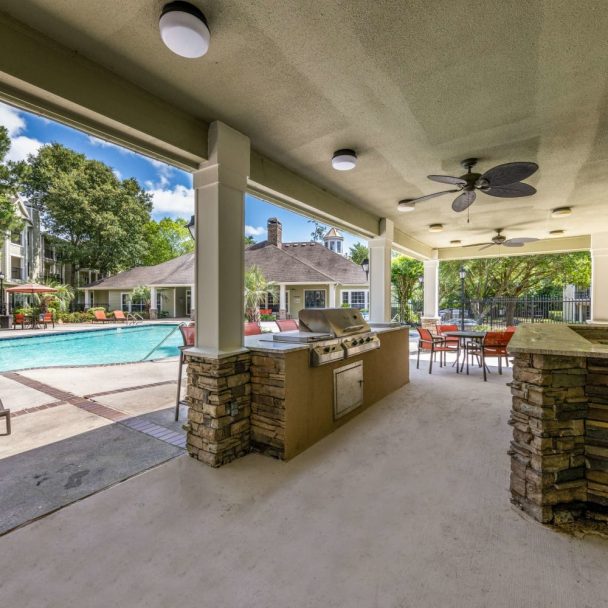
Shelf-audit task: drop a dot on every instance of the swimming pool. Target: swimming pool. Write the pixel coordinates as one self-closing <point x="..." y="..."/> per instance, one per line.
<point x="90" y="347"/>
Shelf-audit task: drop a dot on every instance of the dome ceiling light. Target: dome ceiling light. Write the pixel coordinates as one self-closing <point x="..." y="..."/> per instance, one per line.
<point x="561" y="212"/>
<point x="556" y="232"/>
<point x="184" y="30"/>
<point x="344" y="160"/>
<point x="455" y="242"/>
<point x="436" y="228"/>
<point x="406" y="205"/>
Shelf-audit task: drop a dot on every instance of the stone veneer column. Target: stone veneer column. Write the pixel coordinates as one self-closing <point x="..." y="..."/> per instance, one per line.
<point x="548" y="478"/>
<point x="219" y="396"/>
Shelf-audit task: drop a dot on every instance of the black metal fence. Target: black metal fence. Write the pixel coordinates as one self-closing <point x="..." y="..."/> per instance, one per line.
<point x="502" y="312"/>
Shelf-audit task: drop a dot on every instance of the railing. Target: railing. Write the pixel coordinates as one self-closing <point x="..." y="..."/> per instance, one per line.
<point x="501" y="312"/>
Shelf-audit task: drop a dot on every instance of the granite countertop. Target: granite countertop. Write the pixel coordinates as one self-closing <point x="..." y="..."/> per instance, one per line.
<point x="265" y="343"/>
<point x="558" y="339"/>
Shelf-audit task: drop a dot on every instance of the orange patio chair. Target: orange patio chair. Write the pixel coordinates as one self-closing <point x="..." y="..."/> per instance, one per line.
<point x="119" y="315"/>
<point x="431" y="344"/>
<point x="252" y="329"/>
<point x="19" y="319"/>
<point x="47" y="318"/>
<point x="100" y="317"/>
<point x="287" y="324"/>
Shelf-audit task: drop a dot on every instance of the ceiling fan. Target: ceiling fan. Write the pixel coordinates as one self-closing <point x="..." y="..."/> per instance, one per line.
<point x="499" y="239"/>
<point x="503" y="181"/>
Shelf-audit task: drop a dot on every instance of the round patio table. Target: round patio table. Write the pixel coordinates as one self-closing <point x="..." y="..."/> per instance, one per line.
<point x="478" y="336"/>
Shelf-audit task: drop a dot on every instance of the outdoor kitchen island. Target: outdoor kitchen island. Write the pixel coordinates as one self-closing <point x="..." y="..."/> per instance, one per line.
<point x="284" y="392"/>
<point x="295" y="404"/>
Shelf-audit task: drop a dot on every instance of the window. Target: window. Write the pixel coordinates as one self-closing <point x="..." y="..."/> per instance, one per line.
<point x="188" y="301"/>
<point x="16" y="238"/>
<point x="355" y="299"/>
<point x="314" y="298"/>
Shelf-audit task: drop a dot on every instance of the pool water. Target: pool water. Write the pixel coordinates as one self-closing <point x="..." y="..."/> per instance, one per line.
<point x="91" y="347"/>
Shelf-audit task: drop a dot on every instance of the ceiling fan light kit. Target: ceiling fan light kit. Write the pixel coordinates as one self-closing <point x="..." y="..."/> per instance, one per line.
<point x="503" y="181"/>
<point x="406" y="206"/>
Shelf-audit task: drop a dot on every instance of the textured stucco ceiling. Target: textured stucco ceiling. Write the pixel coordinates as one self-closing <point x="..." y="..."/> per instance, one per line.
<point x="414" y="86"/>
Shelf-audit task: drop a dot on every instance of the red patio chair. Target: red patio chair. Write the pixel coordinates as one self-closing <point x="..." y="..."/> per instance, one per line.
<point x="189" y="338"/>
<point x="432" y="344"/>
<point x="47" y="318"/>
<point x="494" y="345"/>
<point x="252" y="329"/>
<point x="19" y="319"/>
<point x="450" y="341"/>
<point x="287" y="324"/>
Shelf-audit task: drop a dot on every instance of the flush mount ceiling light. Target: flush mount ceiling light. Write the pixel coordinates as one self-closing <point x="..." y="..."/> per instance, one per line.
<point x="556" y="232"/>
<point x="456" y="242"/>
<point x="561" y="212"/>
<point x="344" y="160"/>
<point x="406" y="205"/>
<point x="184" y="29"/>
<point x="435" y="227"/>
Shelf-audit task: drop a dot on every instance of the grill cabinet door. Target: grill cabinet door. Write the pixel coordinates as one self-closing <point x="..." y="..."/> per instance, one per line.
<point x="348" y="388"/>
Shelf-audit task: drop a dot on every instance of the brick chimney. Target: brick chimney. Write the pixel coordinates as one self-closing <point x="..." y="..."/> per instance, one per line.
<point x="275" y="232"/>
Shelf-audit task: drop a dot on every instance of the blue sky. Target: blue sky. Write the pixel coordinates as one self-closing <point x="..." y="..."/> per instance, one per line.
<point x="170" y="188"/>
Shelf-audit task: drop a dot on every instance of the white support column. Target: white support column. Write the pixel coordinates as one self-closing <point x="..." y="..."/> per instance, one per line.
<point x="430" y="315"/>
<point x="192" y="301"/>
<point x="220" y="186"/>
<point x="153" y="305"/>
<point x="87" y="298"/>
<point x="332" y="295"/>
<point x="599" y="278"/>
<point x="282" y="301"/>
<point x="380" y="273"/>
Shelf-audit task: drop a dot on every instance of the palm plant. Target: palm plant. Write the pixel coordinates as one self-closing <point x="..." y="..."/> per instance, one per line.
<point x="256" y="289"/>
<point x="59" y="300"/>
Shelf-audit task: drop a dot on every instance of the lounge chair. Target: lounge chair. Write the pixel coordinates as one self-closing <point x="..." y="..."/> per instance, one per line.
<point x="100" y="317"/>
<point x="287" y="324"/>
<point x="252" y="329"/>
<point x="47" y="318"/>
<point x="19" y="319"/>
<point x="119" y="315"/>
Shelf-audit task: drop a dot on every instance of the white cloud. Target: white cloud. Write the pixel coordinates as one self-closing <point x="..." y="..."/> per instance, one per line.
<point x="117" y="173"/>
<point x="176" y="201"/>
<point x="255" y="230"/>
<point x="21" y="145"/>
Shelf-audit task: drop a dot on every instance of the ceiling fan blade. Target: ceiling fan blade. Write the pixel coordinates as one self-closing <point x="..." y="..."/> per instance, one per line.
<point x="511" y="191"/>
<point x="448" y="179"/>
<point x="519" y="241"/>
<point x="509" y="173"/>
<point x="478" y="244"/>
<point x="428" y="196"/>
<point x="464" y="201"/>
<point x="488" y="246"/>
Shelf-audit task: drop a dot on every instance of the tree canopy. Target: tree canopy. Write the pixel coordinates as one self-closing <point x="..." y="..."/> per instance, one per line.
<point x="9" y="177"/>
<point x="98" y="218"/>
<point x="405" y="273"/>
<point x="165" y="240"/>
<point x="319" y="230"/>
<point x="358" y="252"/>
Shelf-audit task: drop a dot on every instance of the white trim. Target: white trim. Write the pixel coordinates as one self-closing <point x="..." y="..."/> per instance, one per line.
<point x="350" y="291"/>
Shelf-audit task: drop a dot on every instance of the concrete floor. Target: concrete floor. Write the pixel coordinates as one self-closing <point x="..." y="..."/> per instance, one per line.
<point x="405" y="506"/>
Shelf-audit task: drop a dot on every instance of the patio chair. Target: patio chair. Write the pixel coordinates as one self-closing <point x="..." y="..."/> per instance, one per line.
<point x="47" y="318"/>
<point x="119" y="315"/>
<point x="431" y="344"/>
<point x="494" y="345"/>
<point x="100" y="317"/>
<point x="19" y="319"/>
<point x="287" y="324"/>
<point x="189" y="338"/>
<point x="252" y="329"/>
<point x="6" y="414"/>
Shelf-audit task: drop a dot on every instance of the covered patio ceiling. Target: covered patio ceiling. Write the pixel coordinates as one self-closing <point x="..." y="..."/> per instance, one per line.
<point x="414" y="87"/>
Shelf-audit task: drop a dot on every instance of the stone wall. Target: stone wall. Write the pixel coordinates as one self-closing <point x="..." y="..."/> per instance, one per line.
<point x="219" y="396"/>
<point x="268" y="404"/>
<point x="559" y="452"/>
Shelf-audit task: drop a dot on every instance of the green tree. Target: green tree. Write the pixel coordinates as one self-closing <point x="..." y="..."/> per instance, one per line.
<point x="248" y="241"/>
<point x="9" y="180"/>
<point x="405" y="273"/>
<point x="165" y="240"/>
<point x="256" y="288"/>
<point x="358" y="252"/>
<point x="319" y="230"/>
<point x="511" y="277"/>
<point x="97" y="218"/>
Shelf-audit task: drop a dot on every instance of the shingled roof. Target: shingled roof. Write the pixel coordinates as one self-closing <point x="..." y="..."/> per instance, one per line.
<point x="293" y="263"/>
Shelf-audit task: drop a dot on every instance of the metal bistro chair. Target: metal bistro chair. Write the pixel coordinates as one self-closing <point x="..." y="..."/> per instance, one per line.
<point x="189" y="336"/>
<point x="431" y="344"/>
<point x="450" y="341"/>
<point x="6" y="414"/>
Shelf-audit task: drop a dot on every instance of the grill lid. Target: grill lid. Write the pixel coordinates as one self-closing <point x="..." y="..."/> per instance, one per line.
<point x="338" y="322"/>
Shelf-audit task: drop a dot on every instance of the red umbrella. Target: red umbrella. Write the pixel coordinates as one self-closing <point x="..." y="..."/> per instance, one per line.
<point x="32" y="288"/>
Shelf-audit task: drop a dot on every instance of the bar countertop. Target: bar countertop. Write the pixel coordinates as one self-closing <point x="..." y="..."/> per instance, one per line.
<point x="560" y="339"/>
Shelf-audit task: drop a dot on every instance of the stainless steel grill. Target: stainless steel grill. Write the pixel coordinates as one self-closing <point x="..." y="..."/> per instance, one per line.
<point x="334" y="334"/>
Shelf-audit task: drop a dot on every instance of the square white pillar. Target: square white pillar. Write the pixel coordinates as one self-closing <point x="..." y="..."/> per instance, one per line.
<point x="431" y="291"/>
<point x="282" y="301"/>
<point x="380" y="273"/>
<point x="332" y="295"/>
<point x="220" y="185"/>
<point x="87" y="298"/>
<point x="599" y="278"/>
<point x="153" y="306"/>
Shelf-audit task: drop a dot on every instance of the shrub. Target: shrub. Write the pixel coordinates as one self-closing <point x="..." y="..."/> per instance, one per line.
<point x="95" y="308"/>
<point x="556" y="315"/>
<point x="266" y="317"/>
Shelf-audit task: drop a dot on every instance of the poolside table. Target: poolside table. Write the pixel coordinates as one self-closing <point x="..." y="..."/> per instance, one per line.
<point x="476" y="336"/>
